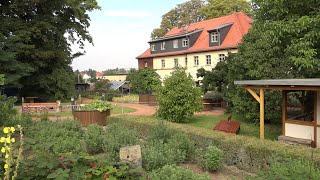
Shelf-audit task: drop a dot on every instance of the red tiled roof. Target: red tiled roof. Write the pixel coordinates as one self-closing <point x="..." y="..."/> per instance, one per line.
<point x="241" y="24"/>
<point x="99" y="74"/>
<point x="228" y="126"/>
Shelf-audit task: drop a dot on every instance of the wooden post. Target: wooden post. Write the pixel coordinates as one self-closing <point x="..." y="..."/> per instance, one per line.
<point x="315" y="118"/>
<point x="261" y="113"/>
<point x="284" y="111"/>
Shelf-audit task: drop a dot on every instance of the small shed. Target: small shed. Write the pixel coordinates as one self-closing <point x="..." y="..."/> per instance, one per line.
<point x="300" y="106"/>
<point x="122" y="86"/>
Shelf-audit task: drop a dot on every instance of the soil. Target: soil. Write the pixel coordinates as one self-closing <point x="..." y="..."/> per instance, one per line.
<point x="227" y="172"/>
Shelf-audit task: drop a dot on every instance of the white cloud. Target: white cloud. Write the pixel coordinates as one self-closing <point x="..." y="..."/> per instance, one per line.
<point x="127" y="13"/>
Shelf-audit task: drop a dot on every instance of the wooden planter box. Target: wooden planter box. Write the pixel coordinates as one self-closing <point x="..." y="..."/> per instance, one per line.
<point x="152" y="100"/>
<point x="148" y="99"/>
<point x="143" y="99"/>
<point x="85" y="118"/>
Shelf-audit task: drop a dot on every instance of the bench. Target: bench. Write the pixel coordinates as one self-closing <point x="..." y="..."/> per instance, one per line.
<point x="41" y="107"/>
<point x="293" y="140"/>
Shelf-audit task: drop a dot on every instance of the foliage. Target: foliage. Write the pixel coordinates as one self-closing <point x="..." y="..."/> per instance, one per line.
<point x="164" y="146"/>
<point x="8" y="112"/>
<point x="292" y="169"/>
<point x="144" y="81"/>
<point x="213" y="95"/>
<point x="1" y="79"/>
<point x="169" y="172"/>
<point x="225" y="7"/>
<point x="127" y="98"/>
<point x="178" y="98"/>
<point x="198" y="10"/>
<point x="117" y="136"/>
<point x="99" y="105"/>
<point x="103" y="84"/>
<point x="93" y="138"/>
<point x="54" y="137"/>
<point x="11" y="155"/>
<point x="38" y="33"/>
<point x="247" y="153"/>
<point x="212" y="159"/>
<point x="117" y="71"/>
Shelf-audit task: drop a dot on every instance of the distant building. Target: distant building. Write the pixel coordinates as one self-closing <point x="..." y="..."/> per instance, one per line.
<point x="122" y="86"/>
<point x="86" y="78"/>
<point x="99" y="74"/>
<point x="197" y="45"/>
<point x="114" y="77"/>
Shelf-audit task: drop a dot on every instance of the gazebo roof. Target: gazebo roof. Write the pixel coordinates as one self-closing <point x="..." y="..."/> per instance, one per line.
<point x="285" y="84"/>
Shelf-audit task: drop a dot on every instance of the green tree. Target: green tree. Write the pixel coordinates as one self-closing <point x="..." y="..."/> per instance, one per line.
<point x="185" y="13"/>
<point x="269" y="51"/>
<point x="103" y="84"/>
<point x="144" y="80"/>
<point x="179" y="98"/>
<point x="35" y="54"/>
<point x="217" y="8"/>
<point x="1" y="79"/>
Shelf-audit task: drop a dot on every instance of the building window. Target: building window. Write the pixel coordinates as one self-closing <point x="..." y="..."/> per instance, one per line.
<point x="146" y="64"/>
<point x="222" y="57"/>
<point x="163" y="44"/>
<point x="176" y="43"/>
<point x="163" y="63"/>
<point x="214" y="37"/>
<point x="176" y="63"/>
<point x="153" y="47"/>
<point x="186" y="61"/>
<point x="196" y="60"/>
<point x="208" y="59"/>
<point x="185" y="42"/>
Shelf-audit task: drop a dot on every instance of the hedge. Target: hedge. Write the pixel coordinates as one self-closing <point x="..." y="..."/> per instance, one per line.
<point x="247" y="153"/>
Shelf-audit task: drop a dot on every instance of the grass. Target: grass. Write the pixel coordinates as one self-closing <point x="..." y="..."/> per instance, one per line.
<point x="272" y="131"/>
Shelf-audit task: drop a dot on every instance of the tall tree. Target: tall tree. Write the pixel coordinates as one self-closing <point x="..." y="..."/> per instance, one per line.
<point x="284" y="42"/>
<point x="185" y="13"/>
<point x="35" y="54"/>
<point x="217" y="8"/>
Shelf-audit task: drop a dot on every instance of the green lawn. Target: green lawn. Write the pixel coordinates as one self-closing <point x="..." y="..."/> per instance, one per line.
<point x="272" y="131"/>
<point x="116" y="109"/>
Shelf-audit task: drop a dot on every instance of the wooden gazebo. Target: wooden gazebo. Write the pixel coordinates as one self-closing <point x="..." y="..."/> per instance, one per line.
<point x="304" y="123"/>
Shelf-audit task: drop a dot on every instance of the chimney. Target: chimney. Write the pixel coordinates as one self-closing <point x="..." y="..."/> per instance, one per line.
<point x="179" y="24"/>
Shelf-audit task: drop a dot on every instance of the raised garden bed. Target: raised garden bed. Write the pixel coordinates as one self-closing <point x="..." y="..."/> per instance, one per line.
<point x="87" y="117"/>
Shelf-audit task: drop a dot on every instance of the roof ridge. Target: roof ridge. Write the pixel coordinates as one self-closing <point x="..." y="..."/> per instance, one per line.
<point x="238" y="22"/>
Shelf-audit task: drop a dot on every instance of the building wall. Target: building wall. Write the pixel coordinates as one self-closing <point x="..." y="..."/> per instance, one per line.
<point x="191" y="68"/>
<point x="300" y="131"/>
<point x="141" y="63"/>
<point x="115" y="77"/>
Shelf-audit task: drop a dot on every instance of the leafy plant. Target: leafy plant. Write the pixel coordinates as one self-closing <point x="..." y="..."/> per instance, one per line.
<point x="144" y="81"/>
<point x="93" y="138"/>
<point x="99" y="105"/>
<point x="169" y="172"/>
<point x="212" y="160"/>
<point x="179" y="98"/>
<point x="117" y="136"/>
<point x="8" y="112"/>
<point x="291" y="169"/>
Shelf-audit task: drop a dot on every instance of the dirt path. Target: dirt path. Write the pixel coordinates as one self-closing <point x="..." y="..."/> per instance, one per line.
<point x="141" y="110"/>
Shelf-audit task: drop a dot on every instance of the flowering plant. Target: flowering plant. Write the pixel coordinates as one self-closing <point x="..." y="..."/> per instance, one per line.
<point x="8" y="152"/>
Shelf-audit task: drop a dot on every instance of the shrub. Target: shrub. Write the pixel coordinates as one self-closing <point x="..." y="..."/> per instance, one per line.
<point x="292" y="169"/>
<point x="145" y="80"/>
<point x="212" y="160"/>
<point x="215" y="96"/>
<point x="177" y="173"/>
<point x="54" y="137"/>
<point x="117" y="136"/>
<point x="93" y="138"/>
<point x="7" y="110"/>
<point x="160" y="132"/>
<point x="178" y="98"/>
<point x="98" y="105"/>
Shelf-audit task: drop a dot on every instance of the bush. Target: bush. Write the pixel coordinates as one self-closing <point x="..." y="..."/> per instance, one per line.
<point x="215" y="96"/>
<point x="93" y="138"/>
<point x="7" y="110"/>
<point x="117" y="136"/>
<point x="144" y="81"/>
<point x="292" y="169"/>
<point x="177" y="173"/>
<point x="212" y="160"/>
<point x="55" y="137"/>
<point x="178" y="98"/>
<point x="165" y="147"/>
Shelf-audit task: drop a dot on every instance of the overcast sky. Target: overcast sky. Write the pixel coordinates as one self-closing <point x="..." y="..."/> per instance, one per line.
<point x="121" y="31"/>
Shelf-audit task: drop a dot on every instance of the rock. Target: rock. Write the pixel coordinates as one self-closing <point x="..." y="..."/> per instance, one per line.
<point x="131" y="155"/>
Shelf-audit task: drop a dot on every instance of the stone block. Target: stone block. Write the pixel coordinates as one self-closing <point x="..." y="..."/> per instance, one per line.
<point x="131" y="155"/>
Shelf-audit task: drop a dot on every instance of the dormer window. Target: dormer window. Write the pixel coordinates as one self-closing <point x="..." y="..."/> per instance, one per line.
<point x="214" y="36"/>
<point x="176" y="43"/>
<point x="185" y="42"/>
<point x="163" y="44"/>
<point x="153" y="47"/>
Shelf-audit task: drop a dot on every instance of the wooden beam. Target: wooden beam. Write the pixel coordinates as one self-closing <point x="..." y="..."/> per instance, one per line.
<point x="261" y="113"/>
<point x="315" y="118"/>
<point x="307" y="88"/>
<point x="284" y="111"/>
<point x="254" y="94"/>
